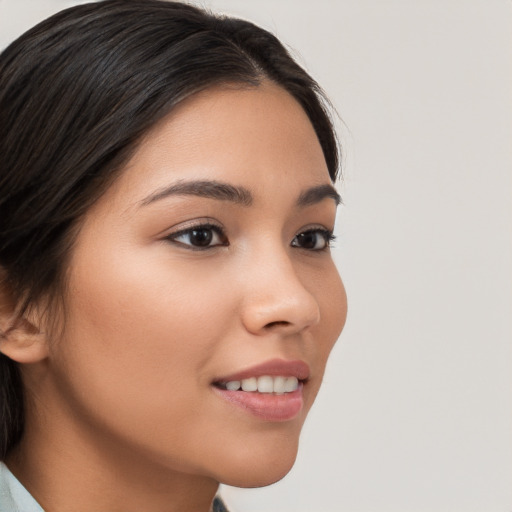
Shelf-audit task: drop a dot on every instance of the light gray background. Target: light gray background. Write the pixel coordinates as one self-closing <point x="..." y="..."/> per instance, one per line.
<point x="416" y="411"/>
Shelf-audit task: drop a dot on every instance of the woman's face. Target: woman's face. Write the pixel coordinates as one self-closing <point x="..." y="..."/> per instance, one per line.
<point x="205" y="265"/>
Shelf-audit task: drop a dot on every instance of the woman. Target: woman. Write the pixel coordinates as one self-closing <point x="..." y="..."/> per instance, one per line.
<point x="168" y="299"/>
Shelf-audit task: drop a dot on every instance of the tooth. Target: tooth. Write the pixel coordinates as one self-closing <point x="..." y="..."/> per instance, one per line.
<point x="250" y="384"/>
<point x="279" y="383"/>
<point x="291" y="384"/>
<point x="265" y="384"/>
<point x="233" y="385"/>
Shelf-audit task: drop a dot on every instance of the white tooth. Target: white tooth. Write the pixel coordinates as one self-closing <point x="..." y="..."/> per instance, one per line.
<point x="265" y="384"/>
<point x="279" y="384"/>
<point x="291" y="384"/>
<point x="233" y="385"/>
<point x="250" y="384"/>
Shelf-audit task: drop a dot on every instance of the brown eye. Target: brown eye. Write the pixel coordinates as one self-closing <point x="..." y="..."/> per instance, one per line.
<point x="313" y="239"/>
<point x="200" y="237"/>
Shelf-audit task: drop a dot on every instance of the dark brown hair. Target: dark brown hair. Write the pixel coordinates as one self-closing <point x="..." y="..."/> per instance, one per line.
<point x="77" y="93"/>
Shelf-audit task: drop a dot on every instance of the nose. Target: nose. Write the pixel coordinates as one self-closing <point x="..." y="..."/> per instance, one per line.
<point x="276" y="298"/>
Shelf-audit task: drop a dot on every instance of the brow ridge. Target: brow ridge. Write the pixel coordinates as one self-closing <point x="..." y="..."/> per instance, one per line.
<point x="317" y="194"/>
<point x="210" y="189"/>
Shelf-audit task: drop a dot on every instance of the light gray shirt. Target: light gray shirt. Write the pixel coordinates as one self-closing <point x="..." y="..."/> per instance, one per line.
<point x="13" y="496"/>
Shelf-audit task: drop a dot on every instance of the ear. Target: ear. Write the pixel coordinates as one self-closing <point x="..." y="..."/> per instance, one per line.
<point x="20" y="338"/>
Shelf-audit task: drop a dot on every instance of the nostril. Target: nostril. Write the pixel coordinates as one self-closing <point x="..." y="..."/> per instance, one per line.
<point x="277" y="323"/>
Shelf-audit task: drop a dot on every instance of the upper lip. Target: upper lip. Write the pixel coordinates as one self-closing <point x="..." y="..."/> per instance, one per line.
<point x="274" y="368"/>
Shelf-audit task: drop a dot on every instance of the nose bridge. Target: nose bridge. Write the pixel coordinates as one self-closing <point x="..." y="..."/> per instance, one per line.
<point x="276" y="297"/>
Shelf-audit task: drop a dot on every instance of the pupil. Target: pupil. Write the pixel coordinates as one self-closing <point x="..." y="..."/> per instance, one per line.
<point x="201" y="237"/>
<point x="308" y="240"/>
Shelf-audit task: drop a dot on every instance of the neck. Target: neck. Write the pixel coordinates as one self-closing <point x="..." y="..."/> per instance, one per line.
<point x="69" y="468"/>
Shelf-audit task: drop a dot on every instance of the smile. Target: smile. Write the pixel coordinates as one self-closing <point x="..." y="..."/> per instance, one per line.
<point x="263" y="384"/>
<point x="271" y="391"/>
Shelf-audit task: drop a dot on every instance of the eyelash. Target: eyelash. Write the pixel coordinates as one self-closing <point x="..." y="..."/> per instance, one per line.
<point x="217" y="231"/>
<point x="326" y="234"/>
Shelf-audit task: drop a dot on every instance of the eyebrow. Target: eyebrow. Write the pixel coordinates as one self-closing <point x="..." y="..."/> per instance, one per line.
<point x="203" y="188"/>
<point x="317" y="194"/>
<point x="221" y="191"/>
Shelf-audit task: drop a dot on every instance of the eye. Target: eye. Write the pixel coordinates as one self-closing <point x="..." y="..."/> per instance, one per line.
<point x="314" y="239"/>
<point x="202" y="236"/>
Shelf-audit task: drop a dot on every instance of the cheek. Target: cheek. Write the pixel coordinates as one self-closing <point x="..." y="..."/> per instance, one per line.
<point x="144" y="304"/>
<point x="327" y="288"/>
<point x="332" y="300"/>
<point x="335" y="300"/>
<point x="138" y="338"/>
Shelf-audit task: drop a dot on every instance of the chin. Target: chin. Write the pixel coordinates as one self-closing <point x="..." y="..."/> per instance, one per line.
<point x="258" y="478"/>
<point x="259" y="468"/>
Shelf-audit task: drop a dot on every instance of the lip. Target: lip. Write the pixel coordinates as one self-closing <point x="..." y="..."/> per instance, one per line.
<point x="268" y="406"/>
<point x="273" y="368"/>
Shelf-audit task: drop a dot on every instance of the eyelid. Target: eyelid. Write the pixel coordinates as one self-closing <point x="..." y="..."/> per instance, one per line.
<point x="325" y="232"/>
<point x="206" y="223"/>
<point x="196" y="224"/>
<point x="190" y="224"/>
<point x="316" y="227"/>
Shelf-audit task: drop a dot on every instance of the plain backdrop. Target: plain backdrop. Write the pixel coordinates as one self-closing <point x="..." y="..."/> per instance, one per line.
<point x="416" y="410"/>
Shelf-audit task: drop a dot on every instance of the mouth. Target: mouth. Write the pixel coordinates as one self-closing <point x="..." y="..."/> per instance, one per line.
<point x="272" y="391"/>
<point x="264" y="384"/>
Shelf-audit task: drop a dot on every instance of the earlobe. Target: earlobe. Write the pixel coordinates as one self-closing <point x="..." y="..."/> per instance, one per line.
<point x="20" y="339"/>
<point x="23" y="343"/>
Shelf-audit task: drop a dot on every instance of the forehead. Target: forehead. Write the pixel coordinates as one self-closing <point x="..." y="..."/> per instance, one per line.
<point x="256" y="137"/>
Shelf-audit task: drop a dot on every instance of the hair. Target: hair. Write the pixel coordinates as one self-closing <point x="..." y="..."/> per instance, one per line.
<point x="77" y="93"/>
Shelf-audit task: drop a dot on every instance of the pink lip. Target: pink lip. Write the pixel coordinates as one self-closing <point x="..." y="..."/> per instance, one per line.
<point x="268" y="406"/>
<point x="273" y="368"/>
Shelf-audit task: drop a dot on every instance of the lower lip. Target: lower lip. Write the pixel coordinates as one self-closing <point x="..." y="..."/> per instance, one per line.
<point x="267" y="406"/>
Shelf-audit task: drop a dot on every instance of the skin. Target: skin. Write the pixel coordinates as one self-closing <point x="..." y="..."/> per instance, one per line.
<point x="121" y="404"/>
